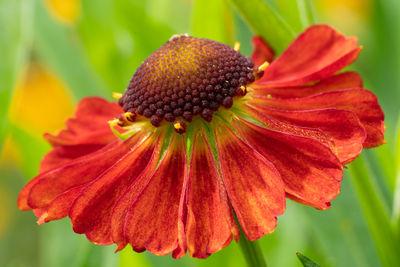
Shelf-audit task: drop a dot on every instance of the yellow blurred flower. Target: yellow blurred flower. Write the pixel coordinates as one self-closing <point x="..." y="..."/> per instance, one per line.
<point x="66" y="11"/>
<point x="10" y="153"/>
<point x="348" y="16"/>
<point x="41" y="102"/>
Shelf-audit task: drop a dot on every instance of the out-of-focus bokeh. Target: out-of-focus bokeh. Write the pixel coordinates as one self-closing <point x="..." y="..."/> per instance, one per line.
<point x="54" y="52"/>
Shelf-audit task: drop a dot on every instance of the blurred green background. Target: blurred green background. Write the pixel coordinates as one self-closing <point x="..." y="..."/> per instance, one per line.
<point x="54" y="52"/>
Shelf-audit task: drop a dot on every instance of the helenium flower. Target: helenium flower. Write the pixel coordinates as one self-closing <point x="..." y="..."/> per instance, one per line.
<point x="202" y="135"/>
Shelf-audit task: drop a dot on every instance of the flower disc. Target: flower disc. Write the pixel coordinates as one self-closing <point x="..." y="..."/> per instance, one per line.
<point x="185" y="77"/>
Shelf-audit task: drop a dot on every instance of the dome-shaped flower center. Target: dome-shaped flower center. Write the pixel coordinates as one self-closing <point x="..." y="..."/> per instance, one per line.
<point x="186" y="77"/>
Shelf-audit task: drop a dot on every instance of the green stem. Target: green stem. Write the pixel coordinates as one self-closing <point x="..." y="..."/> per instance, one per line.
<point x="265" y="21"/>
<point x="252" y="252"/>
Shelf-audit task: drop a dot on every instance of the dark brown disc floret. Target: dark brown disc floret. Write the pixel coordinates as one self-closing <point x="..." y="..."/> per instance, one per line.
<point x="187" y="77"/>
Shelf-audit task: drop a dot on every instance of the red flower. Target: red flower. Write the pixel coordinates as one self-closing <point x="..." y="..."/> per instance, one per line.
<point x="254" y="135"/>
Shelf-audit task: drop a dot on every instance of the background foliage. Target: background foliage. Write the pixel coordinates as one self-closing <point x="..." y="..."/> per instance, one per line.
<point x="54" y="52"/>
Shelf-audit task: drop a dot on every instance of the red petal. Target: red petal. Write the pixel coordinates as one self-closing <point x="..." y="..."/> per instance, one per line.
<point x="154" y="221"/>
<point x="41" y="190"/>
<point x="91" y="211"/>
<point x="317" y="53"/>
<point x="310" y="171"/>
<point x="210" y="223"/>
<point x="86" y="133"/>
<point x="281" y="126"/>
<point x="125" y="202"/>
<point x="89" y="125"/>
<point x="262" y="51"/>
<point x="60" y="206"/>
<point x="254" y="186"/>
<point x="63" y="154"/>
<point x="362" y="102"/>
<point x="336" y="82"/>
<point x="342" y="126"/>
<point x="375" y="133"/>
<point x="39" y="213"/>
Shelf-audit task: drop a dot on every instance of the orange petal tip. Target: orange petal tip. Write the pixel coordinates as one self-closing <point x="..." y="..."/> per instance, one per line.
<point x="42" y="218"/>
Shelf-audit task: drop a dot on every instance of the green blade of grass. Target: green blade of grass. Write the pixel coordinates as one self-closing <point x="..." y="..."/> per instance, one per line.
<point x="15" y="42"/>
<point x="385" y="158"/>
<point x="265" y="21"/>
<point x="343" y="226"/>
<point x="375" y="212"/>
<point x="213" y="19"/>
<point x="299" y="16"/>
<point x="59" y="48"/>
<point x="396" y="197"/>
<point x="306" y="12"/>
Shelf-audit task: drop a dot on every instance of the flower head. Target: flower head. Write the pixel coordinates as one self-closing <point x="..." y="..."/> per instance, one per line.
<point x="186" y="77"/>
<point x="202" y="131"/>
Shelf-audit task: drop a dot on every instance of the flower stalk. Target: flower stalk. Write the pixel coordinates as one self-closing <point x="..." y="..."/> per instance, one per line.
<point x="252" y="252"/>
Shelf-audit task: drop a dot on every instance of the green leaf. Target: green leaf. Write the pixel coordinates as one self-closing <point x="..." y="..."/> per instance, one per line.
<point x="58" y="47"/>
<point x="15" y="42"/>
<point x="339" y="236"/>
<point x="306" y="261"/>
<point x="213" y="19"/>
<point x="306" y="12"/>
<point x="300" y="14"/>
<point x="398" y="145"/>
<point x="265" y="21"/>
<point x="375" y="212"/>
<point x="396" y="197"/>
<point x="384" y="158"/>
